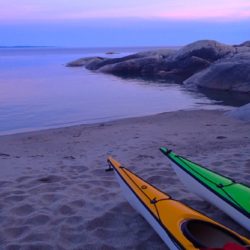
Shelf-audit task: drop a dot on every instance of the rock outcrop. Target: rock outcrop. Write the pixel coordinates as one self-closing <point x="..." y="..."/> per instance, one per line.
<point x="84" y="61"/>
<point x="241" y="113"/>
<point x="167" y="64"/>
<point x="134" y="67"/>
<point x="206" y="63"/>
<point x="205" y="49"/>
<point x="136" y="59"/>
<point x="231" y="74"/>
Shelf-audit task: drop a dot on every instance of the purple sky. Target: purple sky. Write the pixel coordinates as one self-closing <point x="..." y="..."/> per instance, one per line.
<point x="122" y="23"/>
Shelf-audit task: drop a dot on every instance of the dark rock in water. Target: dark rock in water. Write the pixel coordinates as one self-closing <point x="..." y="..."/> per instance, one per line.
<point x="168" y="64"/>
<point x="84" y="61"/>
<point x="231" y="73"/>
<point x="177" y="65"/>
<point x="205" y="63"/>
<point x="111" y="53"/>
<point x="99" y="64"/>
<point x="131" y="67"/>
<point x="107" y="61"/>
<point x="92" y="64"/>
<point x="162" y="53"/>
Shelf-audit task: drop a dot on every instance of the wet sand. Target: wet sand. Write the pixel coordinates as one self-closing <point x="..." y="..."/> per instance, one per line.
<point x="55" y="194"/>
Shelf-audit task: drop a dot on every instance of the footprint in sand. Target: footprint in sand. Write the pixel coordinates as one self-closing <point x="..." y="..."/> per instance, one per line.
<point x="69" y="157"/>
<point x="36" y="237"/>
<point x="38" y="220"/>
<point x="74" y="220"/>
<point x="157" y="179"/>
<point x="247" y="165"/>
<point x="77" y="203"/>
<point x="23" y="210"/>
<point x="51" y="179"/>
<point x="5" y="184"/>
<point x="15" y="198"/>
<point x="221" y="137"/>
<point x="217" y="163"/>
<point x="52" y="198"/>
<point x="94" y="246"/>
<point x="34" y="246"/>
<point x="70" y="238"/>
<point x="140" y="157"/>
<point x="66" y="210"/>
<point x="16" y="232"/>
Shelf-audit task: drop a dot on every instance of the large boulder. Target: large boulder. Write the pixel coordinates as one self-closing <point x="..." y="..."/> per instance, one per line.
<point x="193" y="58"/>
<point x="183" y="68"/>
<point x="168" y="64"/>
<point x="108" y="64"/>
<point x="242" y="113"/>
<point x="206" y="49"/>
<point x="109" y="61"/>
<point x="134" y="67"/>
<point x="94" y="63"/>
<point x="231" y="73"/>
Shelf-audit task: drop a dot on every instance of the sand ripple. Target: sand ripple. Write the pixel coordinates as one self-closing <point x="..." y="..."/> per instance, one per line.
<point x="59" y="196"/>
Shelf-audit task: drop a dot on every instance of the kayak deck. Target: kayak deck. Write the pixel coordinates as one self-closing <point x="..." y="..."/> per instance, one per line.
<point x="173" y="216"/>
<point x="235" y="193"/>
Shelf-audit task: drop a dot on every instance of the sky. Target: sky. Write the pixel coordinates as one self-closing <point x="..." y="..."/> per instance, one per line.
<point x="110" y="23"/>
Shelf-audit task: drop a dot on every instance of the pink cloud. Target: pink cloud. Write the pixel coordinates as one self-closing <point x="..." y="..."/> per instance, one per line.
<point x="175" y="10"/>
<point x="203" y="14"/>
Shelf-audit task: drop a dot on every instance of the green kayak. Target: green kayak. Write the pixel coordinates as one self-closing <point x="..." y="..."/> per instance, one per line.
<point x="231" y="197"/>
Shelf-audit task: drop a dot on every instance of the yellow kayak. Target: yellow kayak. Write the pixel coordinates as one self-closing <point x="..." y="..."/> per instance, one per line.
<point x="179" y="226"/>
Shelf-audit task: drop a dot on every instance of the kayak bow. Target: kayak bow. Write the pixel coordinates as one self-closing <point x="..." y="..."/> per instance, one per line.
<point x="179" y="226"/>
<point x="231" y="197"/>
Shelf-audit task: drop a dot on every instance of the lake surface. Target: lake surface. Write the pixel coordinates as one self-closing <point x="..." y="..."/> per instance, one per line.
<point x="37" y="91"/>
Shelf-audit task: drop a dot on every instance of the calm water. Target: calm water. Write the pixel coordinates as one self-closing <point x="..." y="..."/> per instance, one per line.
<point x="37" y="91"/>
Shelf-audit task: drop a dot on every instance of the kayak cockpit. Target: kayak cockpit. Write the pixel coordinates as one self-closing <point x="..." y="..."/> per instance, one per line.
<point x="208" y="235"/>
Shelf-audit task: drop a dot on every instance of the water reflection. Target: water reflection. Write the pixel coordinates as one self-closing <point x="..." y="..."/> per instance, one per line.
<point x="217" y="97"/>
<point x="226" y="98"/>
<point x="38" y="91"/>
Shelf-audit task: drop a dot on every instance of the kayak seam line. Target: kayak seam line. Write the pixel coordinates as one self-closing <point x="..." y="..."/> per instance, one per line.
<point x="222" y="188"/>
<point x="137" y="185"/>
<point x="153" y="202"/>
<point x="175" y="241"/>
<point x="232" y="198"/>
<point x="169" y="196"/>
<point x="239" y="209"/>
<point x="179" y="157"/>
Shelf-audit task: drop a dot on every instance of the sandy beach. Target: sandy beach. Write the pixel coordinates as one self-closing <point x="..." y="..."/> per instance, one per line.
<point x="55" y="193"/>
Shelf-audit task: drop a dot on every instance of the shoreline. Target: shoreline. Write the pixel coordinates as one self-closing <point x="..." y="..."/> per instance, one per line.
<point x="76" y="124"/>
<point x="54" y="192"/>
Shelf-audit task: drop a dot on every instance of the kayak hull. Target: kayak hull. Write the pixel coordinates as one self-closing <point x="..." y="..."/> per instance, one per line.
<point x="141" y="209"/>
<point x="203" y="192"/>
<point x="179" y="226"/>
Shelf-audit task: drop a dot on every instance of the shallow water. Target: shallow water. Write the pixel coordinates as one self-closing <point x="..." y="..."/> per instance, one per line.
<point x="37" y="91"/>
